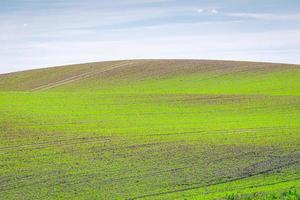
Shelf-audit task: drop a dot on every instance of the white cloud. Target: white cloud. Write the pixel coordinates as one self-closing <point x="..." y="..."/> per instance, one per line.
<point x="214" y="11"/>
<point x="200" y="10"/>
<point x="207" y="10"/>
<point x="276" y="46"/>
<point x="266" y="16"/>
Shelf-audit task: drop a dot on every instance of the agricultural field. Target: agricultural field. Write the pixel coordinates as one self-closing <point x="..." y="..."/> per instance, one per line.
<point x="151" y="129"/>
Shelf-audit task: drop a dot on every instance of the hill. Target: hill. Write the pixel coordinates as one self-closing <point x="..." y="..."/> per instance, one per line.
<point x="150" y="129"/>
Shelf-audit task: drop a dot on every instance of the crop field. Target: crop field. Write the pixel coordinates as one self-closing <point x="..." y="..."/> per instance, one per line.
<point x="151" y="129"/>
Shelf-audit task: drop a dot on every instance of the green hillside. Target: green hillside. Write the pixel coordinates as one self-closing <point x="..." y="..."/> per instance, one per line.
<point x="151" y="129"/>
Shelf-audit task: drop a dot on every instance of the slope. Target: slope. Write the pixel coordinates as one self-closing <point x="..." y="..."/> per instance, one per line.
<point x="150" y="129"/>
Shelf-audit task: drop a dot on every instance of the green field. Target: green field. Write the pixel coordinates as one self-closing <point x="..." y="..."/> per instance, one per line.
<point x="151" y="129"/>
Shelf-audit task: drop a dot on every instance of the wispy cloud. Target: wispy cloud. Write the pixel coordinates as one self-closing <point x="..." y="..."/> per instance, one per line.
<point x="266" y="16"/>
<point x="207" y="11"/>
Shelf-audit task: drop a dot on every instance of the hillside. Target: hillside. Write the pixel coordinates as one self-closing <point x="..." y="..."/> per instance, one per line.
<point x="189" y="76"/>
<point x="150" y="129"/>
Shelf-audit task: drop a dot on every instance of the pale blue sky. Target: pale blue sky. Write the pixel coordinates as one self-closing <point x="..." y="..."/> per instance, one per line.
<point x="40" y="33"/>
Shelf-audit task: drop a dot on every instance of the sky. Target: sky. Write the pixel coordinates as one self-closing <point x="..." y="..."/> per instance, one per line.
<point x="43" y="33"/>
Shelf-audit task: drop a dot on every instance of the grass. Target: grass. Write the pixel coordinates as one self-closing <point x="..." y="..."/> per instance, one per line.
<point x="291" y="194"/>
<point x="151" y="130"/>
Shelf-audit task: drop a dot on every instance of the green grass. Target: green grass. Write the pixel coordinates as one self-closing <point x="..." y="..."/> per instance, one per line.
<point x="147" y="134"/>
<point x="276" y="83"/>
<point x="291" y="194"/>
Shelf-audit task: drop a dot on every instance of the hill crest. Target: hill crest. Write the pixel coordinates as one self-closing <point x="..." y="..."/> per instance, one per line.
<point x="115" y="72"/>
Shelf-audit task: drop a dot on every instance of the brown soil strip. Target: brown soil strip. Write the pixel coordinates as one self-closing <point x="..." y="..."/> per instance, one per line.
<point x="78" y="77"/>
